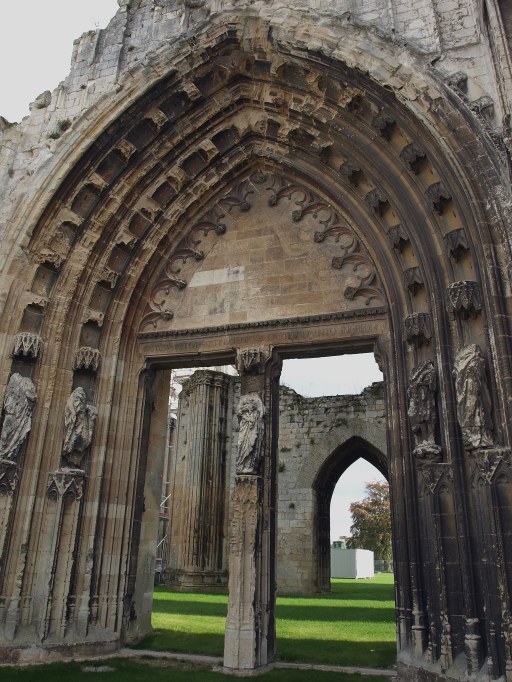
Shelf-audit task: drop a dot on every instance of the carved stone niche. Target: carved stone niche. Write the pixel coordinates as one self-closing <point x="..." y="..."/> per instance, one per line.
<point x="413" y="280"/>
<point x="418" y="329"/>
<point x="457" y="243"/>
<point x="87" y="358"/>
<point x="251" y="360"/>
<point x="464" y="299"/>
<point x="27" y="345"/>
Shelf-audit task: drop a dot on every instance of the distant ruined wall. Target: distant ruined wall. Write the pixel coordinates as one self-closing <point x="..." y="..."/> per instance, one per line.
<point x="311" y="431"/>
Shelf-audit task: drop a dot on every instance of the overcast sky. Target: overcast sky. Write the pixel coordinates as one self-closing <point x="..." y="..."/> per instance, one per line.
<point x="36" y="42"/>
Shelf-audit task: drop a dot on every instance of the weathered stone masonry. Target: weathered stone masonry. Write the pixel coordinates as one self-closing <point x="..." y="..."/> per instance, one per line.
<point x="319" y="438"/>
<point x="221" y="182"/>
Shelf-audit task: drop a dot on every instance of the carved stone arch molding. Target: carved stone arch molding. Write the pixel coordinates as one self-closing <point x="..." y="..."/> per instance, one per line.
<point x="365" y="204"/>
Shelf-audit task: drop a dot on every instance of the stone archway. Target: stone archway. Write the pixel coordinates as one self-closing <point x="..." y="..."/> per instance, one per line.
<point x="374" y="227"/>
<point x="334" y="467"/>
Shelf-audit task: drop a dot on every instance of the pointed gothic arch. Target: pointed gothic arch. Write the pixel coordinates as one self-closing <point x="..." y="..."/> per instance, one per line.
<point x="325" y="481"/>
<point x="381" y="181"/>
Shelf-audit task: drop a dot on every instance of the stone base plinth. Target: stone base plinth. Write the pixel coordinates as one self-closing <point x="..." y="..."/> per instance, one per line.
<point x="196" y="581"/>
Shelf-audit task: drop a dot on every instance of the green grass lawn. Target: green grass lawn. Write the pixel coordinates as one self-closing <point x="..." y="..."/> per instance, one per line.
<point x="122" y="670"/>
<point x="354" y="625"/>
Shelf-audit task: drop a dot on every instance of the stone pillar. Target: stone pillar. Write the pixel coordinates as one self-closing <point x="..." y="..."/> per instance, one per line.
<point x="200" y="539"/>
<point x="250" y="627"/>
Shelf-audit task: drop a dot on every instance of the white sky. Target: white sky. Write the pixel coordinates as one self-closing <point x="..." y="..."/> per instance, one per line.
<point x="36" y="42"/>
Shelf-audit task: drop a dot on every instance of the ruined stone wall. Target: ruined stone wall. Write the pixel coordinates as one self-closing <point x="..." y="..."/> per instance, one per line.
<point x="312" y="431"/>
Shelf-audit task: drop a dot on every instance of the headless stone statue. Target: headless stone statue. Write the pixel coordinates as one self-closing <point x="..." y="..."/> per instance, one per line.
<point x="19" y="403"/>
<point x="473" y="399"/>
<point x="422" y="409"/>
<point x="79" y="420"/>
<point x="250" y="413"/>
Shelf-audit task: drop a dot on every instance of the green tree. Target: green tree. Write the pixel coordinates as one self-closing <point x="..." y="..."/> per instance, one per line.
<point x="371" y="522"/>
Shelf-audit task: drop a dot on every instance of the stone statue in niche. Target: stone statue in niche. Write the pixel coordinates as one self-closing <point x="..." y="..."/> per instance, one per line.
<point x="251" y="412"/>
<point x="79" y="420"/>
<point x="473" y="399"/>
<point x="422" y="409"/>
<point x="19" y="403"/>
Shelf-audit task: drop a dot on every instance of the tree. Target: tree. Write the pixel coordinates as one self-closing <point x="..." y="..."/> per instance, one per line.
<point x="371" y="522"/>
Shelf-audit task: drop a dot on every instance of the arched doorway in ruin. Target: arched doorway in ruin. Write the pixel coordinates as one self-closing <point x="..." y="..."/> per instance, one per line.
<point x="325" y="482"/>
<point x="245" y="199"/>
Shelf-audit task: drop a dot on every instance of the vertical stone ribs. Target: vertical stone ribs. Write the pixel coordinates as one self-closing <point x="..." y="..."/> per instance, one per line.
<point x="201" y="528"/>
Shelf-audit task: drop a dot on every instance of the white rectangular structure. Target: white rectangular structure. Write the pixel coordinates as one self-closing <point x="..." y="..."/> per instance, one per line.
<point x="351" y="563"/>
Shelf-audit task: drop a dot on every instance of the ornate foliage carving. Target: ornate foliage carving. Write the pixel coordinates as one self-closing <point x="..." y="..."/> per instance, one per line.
<point x="353" y="255"/>
<point x="473" y="399"/>
<point x="352" y="252"/>
<point x="27" y="345"/>
<point x="457" y="243"/>
<point x="413" y="154"/>
<point x="50" y="257"/>
<point x="464" y="299"/>
<point x="125" y="149"/>
<point x="422" y="410"/>
<point x="251" y="413"/>
<point x="384" y="123"/>
<point x="87" y="358"/>
<point x="418" y="329"/>
<point x="438" y="195"/>
<point x="413" y="280"/>
<point x="157" y="119"/>
<point x="251" y="360"/>
<point x="376" y="200"/>
<point x="398" y="237"/>
<point x="19" y="403"/>
<point x="160" y="299"/>
<point x="351" y="171"/>
<point x="109" y="277"/>
<point x="64" y="484"/>
<point x="79" y="420"/>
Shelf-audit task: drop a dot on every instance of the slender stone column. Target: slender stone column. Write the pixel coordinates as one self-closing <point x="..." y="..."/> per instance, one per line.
<point x="200" y="538"/>
<point x="250" y="627"/>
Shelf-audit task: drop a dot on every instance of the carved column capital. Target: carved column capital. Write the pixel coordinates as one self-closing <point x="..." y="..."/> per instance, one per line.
<point x="464" y="299"/>
<point x="252" y="360"/>
<point x="27" y="345"/>
<point x="418" y="329"/>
